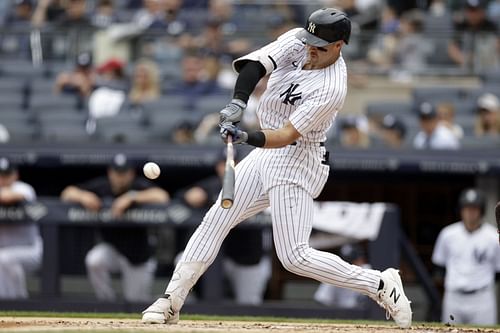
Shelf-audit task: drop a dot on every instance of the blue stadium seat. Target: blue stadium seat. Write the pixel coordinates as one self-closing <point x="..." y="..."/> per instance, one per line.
<point x="437" y="94"/>
<point x="380" y="109"/>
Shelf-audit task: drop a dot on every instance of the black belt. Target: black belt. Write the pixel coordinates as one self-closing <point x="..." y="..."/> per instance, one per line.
<point x="321" y="144"/>
<point x="470" y="292"/>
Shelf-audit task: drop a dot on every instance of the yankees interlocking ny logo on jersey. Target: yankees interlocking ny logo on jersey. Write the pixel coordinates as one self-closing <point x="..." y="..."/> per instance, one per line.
<point x="311" y="27"/>
<point x="479" y="255"/>
<point x="290" y="96"/>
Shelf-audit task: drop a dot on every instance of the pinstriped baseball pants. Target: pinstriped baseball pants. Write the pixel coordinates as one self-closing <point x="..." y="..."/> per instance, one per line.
<point x="273" y="177"/>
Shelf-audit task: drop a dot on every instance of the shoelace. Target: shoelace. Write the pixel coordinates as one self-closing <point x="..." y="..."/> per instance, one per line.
<point x="388" y="309"/>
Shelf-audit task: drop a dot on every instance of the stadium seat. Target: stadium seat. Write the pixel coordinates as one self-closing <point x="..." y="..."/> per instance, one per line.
<point x="491" y="77"/>
<point x="72" y="133"/>
<point x="21" y="132"/>
<point x="43" y="102"/>
<point x="377" y="110"/>
<point x="437" y="94"/>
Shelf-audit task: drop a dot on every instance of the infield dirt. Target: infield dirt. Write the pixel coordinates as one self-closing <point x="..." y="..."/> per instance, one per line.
<point x="39" y="324"/>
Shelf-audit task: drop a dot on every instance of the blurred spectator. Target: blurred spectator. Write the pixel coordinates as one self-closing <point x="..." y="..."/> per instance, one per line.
<point x="75" y="16"/>
<point x="124" y="250"/>
<point x="213" y="40"/>
<point x="145" y="85"/>
<point x="364" y="14"/>
<point x="245" y="264"/>
<point x="405" y="48"/>
<point x="80" y="80"/>
<point x="433" y="134"/>
<point x="20" y="244"/>
<point x="47" y="12"/>
<point x="109" y="96"/>
<point x="354" y="132"/>
<point x="467" y="254"/>
<point x="18" y="18"/>
<point x="475" y="45"/>
<point x="413" y="48"/>
<point x="73" y="32"/>
<point x="21" y="14"/>
<point x="488" y="116"/>
<point x="343" y="298"/>
<point x="383" y="48"/>
<point x="446" y="115"/>
<point x="393" y="131"/>
<point x="104" y="15"/>
<point x="151" y="15"/>
<point x="4" y="134"/>
<point x="195" y="83"/>
<point x="183" y="133"/>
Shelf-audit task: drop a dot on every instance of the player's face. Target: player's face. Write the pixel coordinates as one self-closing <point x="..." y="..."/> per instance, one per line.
<point x="471" y="216"/>
<point x="321" y="57"/>
<point x="120" y="180"/>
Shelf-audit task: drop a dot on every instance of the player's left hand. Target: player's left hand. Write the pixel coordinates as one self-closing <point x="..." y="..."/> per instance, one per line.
<point x="232" y="112"/>
<point x="120" y="205"/>
<point x="238" y="135"/>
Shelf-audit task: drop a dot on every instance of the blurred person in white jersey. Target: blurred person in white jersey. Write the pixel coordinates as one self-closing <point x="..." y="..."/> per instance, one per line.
<point x="468" y="255"/>
<point x="306" y="88"/>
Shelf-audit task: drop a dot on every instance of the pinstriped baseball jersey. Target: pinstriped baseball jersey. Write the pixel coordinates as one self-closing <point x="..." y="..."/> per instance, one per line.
<point x="310" y="99"/>
<point x="287" y="179"/>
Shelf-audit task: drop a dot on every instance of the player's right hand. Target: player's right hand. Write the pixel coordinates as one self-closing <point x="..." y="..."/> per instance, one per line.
<point x="238" y="135"/>
<point x="232" y="112"/>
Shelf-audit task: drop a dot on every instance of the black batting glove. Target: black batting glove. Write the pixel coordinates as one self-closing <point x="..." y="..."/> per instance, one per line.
<point x="238" y="135"/>
<point x="232" y="112"/>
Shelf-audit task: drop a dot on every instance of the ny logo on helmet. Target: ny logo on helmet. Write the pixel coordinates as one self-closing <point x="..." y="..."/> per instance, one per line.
<point x="311" y="27"/>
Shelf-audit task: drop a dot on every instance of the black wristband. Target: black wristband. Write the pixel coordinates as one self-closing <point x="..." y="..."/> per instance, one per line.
<point x="257" y="139"/>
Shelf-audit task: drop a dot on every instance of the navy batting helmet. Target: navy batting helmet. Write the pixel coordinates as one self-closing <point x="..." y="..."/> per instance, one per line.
<point x="326" y="26"/>
<point x="472" y="197"/>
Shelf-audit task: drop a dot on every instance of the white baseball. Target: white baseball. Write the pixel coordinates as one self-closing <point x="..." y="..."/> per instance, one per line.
<point x="151" y="170"/>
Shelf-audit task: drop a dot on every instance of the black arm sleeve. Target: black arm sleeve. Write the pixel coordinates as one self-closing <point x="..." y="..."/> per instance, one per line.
<point x="250" y="75"/>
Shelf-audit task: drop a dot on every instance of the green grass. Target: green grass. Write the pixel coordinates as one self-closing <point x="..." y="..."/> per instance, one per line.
<point x="193" y="317"/>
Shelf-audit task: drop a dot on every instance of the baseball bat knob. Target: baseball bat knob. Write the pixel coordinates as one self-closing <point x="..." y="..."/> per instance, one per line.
<point x="226" y="203"/>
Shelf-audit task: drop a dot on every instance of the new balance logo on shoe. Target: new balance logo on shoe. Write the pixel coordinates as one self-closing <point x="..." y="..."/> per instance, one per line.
<point x="394" y="295"/>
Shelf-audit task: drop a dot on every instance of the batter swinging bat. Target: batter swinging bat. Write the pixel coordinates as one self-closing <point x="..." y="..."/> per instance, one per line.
<point x="228" y="181"/>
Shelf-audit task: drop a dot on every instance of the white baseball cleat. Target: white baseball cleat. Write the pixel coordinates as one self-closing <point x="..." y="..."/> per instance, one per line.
<point x="393" y="299"/>
<point x="160" y="312"/>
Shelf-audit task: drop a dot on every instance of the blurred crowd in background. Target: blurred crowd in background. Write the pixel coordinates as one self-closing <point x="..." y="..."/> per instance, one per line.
<point x="141" y="71"/>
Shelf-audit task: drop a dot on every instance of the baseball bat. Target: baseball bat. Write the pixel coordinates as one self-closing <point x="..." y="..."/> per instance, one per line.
<point x="228" y="181"/>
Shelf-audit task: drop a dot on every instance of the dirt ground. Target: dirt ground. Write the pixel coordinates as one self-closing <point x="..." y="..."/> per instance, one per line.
<point x="31" y="324"/>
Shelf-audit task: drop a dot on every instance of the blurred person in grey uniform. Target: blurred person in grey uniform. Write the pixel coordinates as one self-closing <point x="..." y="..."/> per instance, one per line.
<point x="121" y="250"/>
<point x="246" y="265"/>
<point x="467" y="254"/>
<point x="20" y="243"/>
<point x="433" y="134"/>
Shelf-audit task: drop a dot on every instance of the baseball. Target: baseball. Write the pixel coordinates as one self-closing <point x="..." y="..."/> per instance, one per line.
<point x="151" y="170"/>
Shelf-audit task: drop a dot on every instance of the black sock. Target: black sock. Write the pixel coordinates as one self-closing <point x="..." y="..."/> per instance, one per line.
<point x="380" y="285"/>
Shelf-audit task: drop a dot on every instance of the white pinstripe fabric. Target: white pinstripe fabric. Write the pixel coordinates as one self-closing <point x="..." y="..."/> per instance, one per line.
<point x="287" y="178"/>
<point x="262" y="180"/>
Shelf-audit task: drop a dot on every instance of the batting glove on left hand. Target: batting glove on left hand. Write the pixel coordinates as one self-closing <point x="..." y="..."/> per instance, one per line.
<point x="238" y="135"/>
<point x="232" y="112"/>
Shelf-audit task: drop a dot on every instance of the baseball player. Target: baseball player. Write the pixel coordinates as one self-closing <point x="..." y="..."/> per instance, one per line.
<point x="306" y="88"/>
<point x="469" y="253"/>
<point x="21" y="246"/>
